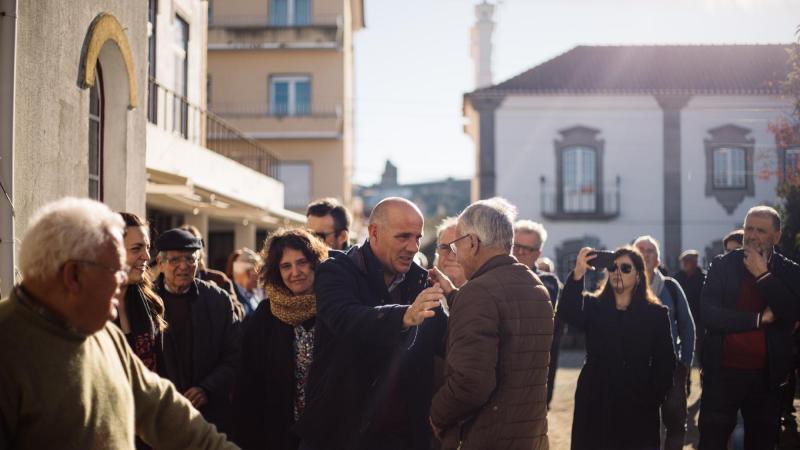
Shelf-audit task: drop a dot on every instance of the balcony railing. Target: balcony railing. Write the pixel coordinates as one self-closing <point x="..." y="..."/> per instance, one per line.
<point x="264" y="110"/>
<point x="263" y="21"/>
<point x="172" y="112"/>
<point x="590" y="202"/>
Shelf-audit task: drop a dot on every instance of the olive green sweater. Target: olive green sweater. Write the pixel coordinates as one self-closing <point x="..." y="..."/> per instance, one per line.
<point x="62" y="389"/>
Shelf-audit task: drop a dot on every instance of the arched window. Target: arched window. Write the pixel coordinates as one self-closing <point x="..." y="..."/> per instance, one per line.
<point x="96" y="137"/>
<point x="579" y="179"/>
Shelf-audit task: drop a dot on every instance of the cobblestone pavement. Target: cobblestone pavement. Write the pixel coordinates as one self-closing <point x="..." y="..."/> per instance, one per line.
<point x="560" y="414"/>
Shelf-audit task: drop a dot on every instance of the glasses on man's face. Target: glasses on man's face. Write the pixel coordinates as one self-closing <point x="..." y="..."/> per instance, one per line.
<point x="120" y="274"/>
<point x="624" y="267"/>
<point x="444" y="248"/>
<point x="177" y="260"/>
<point x="523" y="249"/>
<point x="452" y="244"/>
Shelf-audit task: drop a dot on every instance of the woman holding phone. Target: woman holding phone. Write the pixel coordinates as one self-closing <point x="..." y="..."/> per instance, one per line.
<point x="629" y="354"/>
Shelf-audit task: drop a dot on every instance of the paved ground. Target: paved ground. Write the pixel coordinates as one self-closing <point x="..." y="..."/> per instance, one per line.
<point x="560" y="415"/>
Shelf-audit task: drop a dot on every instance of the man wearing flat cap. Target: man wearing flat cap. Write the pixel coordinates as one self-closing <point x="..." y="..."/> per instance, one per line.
<point x="201" y="343"/>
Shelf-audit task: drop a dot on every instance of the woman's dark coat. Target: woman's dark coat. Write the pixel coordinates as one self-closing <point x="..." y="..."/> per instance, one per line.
<point x="627" y="373"/>
<point x="264" y="401"/>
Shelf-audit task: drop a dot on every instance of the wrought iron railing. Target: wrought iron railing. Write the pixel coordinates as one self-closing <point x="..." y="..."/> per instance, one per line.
<point x="173" y="112"/>
<point x="587" y="202"/>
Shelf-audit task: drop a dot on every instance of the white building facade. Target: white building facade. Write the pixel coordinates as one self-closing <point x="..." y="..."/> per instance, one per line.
<point x="604" y="144"/>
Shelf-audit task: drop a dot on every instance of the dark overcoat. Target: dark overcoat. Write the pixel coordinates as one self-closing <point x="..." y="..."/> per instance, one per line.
<point x="263" y="405"/>
<point x="627" y="372"/>
<point x="359" y="345"/>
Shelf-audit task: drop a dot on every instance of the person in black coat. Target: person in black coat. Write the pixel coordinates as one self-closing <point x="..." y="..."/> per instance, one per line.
<point x="750" y="305"/>
<point x="202" y="342"/>
<point x="378" y="327"/>
<point x="629" y="355"/>
<point x="277" y="347"/>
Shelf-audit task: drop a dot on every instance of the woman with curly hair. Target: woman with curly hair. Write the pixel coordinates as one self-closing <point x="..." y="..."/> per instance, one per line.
<point x="140" y="312"/>
<point x="629" y="355"/>
<point x="278" y="342"/>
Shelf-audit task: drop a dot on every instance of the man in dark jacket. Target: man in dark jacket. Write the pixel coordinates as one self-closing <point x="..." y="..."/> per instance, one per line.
<point x="529" y="238"/>
<point x="691" y="278"/>
<point x="378" y="326"/>
<point x="201" y="345"/>
<point x="749" y="306"/>
<point x="501" y="328"/>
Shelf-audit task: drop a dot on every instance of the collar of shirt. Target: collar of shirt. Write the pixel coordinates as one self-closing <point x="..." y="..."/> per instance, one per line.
<point x="399" y="278"/>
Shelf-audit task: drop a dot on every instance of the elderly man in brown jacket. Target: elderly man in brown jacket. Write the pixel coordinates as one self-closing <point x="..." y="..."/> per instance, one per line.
<point x="498" y="345"/>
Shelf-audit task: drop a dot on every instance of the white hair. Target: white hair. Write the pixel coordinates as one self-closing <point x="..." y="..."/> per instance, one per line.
<point x="529" y="226"/>
<point x="446" y="223"/>
<point x="652" y="240"/>
<point x="70" y="228"/>
<point x="492" y="221"/>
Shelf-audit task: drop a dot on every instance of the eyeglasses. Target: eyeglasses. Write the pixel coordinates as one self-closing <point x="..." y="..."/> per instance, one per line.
<point x="444" y="248"/>
<point x="188" y="259"/>
<point x="452" y="244"/>
<point x="524" y="249"/>
<point x="121" y="273"/>
<point x="624" y="267"/>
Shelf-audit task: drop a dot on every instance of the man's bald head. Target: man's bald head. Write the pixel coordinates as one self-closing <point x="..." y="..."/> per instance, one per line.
<point x="382" y="211"/>
<point x="395" y="230"/>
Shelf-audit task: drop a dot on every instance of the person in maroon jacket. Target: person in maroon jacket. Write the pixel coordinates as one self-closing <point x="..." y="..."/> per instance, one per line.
<point x="750" y="303"/>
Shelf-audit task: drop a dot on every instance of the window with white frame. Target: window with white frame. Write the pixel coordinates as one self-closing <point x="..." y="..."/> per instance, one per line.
<point x="287" y="13"/>
<point x="290" y="95"/>
<point x="296" y="179"/>
<point x="791" y="165"/>
<point x="96" y="137"/>
<point x="730" y="168"/>
<point x="579" y="170"/>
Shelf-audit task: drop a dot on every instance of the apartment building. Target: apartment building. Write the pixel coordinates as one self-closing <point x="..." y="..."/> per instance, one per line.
<point x="232" y="197"/>
<point x="282" y="71"/>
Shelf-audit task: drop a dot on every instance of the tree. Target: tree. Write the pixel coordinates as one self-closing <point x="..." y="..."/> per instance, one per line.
<point x="787" y="135"/>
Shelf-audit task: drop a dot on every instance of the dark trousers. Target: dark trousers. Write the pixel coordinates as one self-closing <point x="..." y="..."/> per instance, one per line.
<point x="673" y="410"/>
<point x="734" y="390"/>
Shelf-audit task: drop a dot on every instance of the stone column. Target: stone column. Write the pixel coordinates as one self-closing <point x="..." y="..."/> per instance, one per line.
<point x="671" y="106"/>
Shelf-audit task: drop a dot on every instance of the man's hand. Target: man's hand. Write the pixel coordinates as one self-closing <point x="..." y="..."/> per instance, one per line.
<point x="437" y="432"/>
<point x="754" y="261"/>
<point x="197" y="396"/>
<point x="767" y="316"/>
<point x="422" y="306"/>
<point x="441" y="279"/>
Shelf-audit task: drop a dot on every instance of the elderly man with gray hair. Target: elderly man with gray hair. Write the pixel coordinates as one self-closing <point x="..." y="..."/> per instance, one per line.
<point x="500" y="332"/>
<point x="68" y="378"/>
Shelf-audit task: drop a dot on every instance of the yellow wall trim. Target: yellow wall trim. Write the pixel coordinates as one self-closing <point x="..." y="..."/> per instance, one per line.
<point x="106" y="27"/>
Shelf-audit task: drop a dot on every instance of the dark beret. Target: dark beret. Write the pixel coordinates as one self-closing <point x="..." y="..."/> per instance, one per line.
<point x="177" y="239"/>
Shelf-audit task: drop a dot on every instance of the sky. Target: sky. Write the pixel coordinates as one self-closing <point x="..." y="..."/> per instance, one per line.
<point x="412" y="62"/>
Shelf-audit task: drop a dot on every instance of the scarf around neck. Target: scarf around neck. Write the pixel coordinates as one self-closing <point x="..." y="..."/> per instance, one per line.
<point x="657" y="285"/>
<point x="291" y="309"/>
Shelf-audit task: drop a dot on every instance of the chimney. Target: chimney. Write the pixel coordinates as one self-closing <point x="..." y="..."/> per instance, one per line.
<point x="481" y="44"/>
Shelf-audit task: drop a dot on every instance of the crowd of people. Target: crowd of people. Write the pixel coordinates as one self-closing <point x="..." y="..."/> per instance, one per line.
<point x="314" y="344"/>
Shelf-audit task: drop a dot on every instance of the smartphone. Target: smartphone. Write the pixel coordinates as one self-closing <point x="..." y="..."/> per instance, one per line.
<point x="601" y="259"/>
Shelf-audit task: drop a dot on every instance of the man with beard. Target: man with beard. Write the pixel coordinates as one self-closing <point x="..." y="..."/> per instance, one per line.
<point x="749" y="305"/>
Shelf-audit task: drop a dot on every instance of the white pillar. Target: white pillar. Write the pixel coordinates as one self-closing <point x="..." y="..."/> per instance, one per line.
<point x="245" y="235"/>
<point x="481" y="44"/>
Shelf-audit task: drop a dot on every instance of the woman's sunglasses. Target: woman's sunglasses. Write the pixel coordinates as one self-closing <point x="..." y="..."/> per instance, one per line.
<point x="625" y="267"/>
